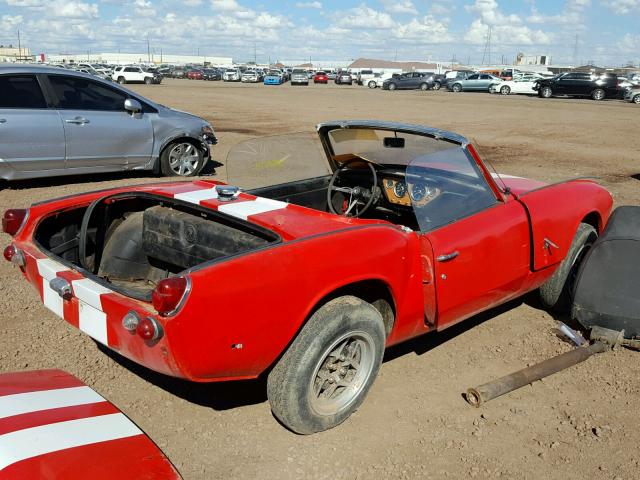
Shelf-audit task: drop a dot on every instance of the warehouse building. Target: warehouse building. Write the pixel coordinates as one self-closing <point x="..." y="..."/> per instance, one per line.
<point x="144" y="58"/>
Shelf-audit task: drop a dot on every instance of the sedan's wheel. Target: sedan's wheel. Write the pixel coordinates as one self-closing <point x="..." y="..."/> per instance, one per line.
<point x="424" y="87"/>
<point x="597" y="94"/>
<point x="546" y="92"/>
<point x="392" y="86"/>
<point x="121" y="80"/>
<point x="457" y="88"/>
<point x="636" y="99"/>
<point x="436" y="86"/>
<point x="372" y="84"/>
<point x="325" y="374"/>
<point x="557" y="292"/>
<point x="505" y="90"/>
<point x="181" y="159"/>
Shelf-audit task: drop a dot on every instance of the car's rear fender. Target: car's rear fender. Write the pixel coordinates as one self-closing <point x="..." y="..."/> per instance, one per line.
<point x="243" y="313"/>
<point x="555" y="211"/>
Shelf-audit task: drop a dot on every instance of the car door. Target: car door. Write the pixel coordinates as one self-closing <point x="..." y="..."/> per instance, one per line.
<point x="483" y="82"/>
<point x="31" y="133"/>
<point x="566" y="85"/>
<point x="99" y="133"/>
<point x="134" y="74"/>
<point x="475" y="241"/>
<point x="470" y="82"/>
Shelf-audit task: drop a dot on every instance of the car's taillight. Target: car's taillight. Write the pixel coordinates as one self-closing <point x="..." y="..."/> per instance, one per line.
<point x="13" y="220"/>
<point x="149" y="329"/>
<point x="14" y="255"/>
<point x="167" y="295"/>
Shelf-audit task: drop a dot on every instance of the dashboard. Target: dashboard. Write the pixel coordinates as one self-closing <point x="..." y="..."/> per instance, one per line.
<point x="398" y="192"/>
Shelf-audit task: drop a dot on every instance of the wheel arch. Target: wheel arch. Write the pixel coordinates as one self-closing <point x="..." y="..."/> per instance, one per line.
<point x="182" y="137"/>
<point x="595" y="220"/>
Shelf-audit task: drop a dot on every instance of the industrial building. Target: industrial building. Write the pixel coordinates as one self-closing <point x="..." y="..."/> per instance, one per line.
<point x="9" y="53"/>
<point x="139" y="58"/>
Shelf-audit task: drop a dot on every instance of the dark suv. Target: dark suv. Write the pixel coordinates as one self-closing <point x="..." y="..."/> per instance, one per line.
<point x="408" y="81"/>
<point x="576" y="84"/>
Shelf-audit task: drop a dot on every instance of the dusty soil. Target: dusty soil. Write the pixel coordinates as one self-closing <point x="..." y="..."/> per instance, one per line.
<point x="580" y="423"/>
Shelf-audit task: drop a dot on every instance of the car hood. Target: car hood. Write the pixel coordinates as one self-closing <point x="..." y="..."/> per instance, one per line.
<point x="54" y="426"/>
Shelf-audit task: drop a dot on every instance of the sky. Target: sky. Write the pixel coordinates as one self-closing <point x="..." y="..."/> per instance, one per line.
<point x="605" y="32"/>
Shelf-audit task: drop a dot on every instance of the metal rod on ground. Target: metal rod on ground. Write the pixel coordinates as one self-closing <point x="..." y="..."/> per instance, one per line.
<point x="479" y="395"/>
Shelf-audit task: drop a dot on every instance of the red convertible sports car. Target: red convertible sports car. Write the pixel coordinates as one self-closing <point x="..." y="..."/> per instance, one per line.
<point x="403" y="231"/>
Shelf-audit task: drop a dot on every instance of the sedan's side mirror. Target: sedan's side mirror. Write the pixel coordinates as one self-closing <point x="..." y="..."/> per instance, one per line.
<point x="132" y="106"/>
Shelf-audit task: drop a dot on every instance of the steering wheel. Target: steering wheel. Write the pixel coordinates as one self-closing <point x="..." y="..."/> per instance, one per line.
<point x="356" y="195"/>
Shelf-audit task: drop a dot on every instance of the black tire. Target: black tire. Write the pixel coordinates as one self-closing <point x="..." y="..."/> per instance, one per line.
<point x="636" y="99"/>
<point x="546" y="92"/>
<point x="424" y="87"/>
<point x="165" y="160"/>
<point x="557" y="292"/>
<point x="598" y="94"/>
<point x="437" y="85"/>
<point x="505" y="90"/>
<point x="122" y="80"/>
<point x="392" y="86"/>
<point x="304" y="366"/>
<point x="456" y="87"/>
<point x="372" y="84"/>
<point x="148" y="80"/>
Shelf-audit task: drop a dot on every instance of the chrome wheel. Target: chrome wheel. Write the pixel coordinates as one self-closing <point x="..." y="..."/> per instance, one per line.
<point x="636" y="99"/>
<point x="183" y="159"/>
<point x="505" y="90"/>
<point x="546" y="92"/>
<point x="598" y="94"/>
<point x="341" y="373"/>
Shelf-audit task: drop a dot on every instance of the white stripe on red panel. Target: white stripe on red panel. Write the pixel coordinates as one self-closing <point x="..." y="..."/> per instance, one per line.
<point x="20" y="403"/>
<point x="197" y="196"/>
<point x="51" y="299"/>
<point x="246" y="209"/>
<point x="89" y="292"/>
<point x="31" y="442"/>
<point x="93" y="322"/>
<point x="48" y="269"/>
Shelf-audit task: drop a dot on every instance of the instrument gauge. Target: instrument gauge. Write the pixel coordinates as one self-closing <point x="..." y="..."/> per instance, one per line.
<point x="388" y="183"/>
<point x="418" y="192"/>
<point x="400" y="189"/>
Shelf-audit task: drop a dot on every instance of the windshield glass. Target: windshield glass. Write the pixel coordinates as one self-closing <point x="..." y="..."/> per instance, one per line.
<point x="445" y="186"/>
<point x="277" y="159"/>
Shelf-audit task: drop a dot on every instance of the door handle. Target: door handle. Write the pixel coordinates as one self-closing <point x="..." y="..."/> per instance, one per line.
<point x="447" y="256"/>
<point x="77" y="121"/>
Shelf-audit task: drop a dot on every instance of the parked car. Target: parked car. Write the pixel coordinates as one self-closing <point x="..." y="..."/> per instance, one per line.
<point x="55" y="427"/>
<point x="251" y="76"/>
<point x="408" y="81"/>
<point x="363" y="76"/>
<point x="321" y="77"/>
<point x="132" y="74"/>
<point x="273" y="77"/>
<point x="524" y="85"/>
<point x="632" y="94"/>
<point x="178" y="72"/>
<point x="232" y="75"/>
<point x="211" y="74"/>
<point x="299" y="77"/>
<point x="437" y="79"/>
<point x="576" y="84"/>
<point x="133" y="267"/>
<point x="453" y="75"/>
<point x="477" y="82"/>
<point x="87" y="125"/>
<point x="195" y="74"/>
<point x="157" y="75"/>
<point x="378" y="80"/>
<point x="344" y="78"/>
<point x="331" y="74"/>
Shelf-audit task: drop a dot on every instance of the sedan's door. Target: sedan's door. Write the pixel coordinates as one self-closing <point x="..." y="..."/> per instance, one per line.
<point x="471" y="82"/>
<point x="31" y="134"/>
<point x="100" y="134"/>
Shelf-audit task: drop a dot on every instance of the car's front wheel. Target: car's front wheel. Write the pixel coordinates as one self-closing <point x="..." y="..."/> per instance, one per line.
<point x="392" y="86"/>
<point x="122" y="80"/>
<point x="546" y="92"/>
<point x="327" y="371"/>
<point x="505" y="90"/>
<point x="372" y="84"/>
<point x="636" y="99"/>
<point x="181" y="159"/>
<point x="557" y="292"/>
<point x="148" y="80"/>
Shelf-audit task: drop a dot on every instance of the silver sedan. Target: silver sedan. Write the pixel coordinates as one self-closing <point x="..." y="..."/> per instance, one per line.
<point x="60" y="122"/>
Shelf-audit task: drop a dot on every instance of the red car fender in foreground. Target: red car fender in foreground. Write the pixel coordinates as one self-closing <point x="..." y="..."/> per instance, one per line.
<point x="53" y="426"/>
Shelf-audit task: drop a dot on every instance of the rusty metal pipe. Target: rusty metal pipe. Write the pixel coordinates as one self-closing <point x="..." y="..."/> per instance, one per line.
<point x="479" y="395"/>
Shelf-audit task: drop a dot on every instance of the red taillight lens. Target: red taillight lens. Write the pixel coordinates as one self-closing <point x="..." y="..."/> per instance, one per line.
<point x="168" y="294"/>
<point x="14" y="255"/>
<point x="13" y="219"/>
<point x="149" y="329"/>
<point x="9" y="252"/>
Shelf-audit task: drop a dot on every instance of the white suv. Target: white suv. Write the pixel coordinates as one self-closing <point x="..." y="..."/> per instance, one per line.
<point x="132" y="74"/>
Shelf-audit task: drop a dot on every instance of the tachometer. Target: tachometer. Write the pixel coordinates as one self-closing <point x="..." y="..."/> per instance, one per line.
<point x="400" y="189"/>
<point x="418" y="192"/>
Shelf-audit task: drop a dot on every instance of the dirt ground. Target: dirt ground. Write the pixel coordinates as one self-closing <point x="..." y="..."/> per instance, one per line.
<point x="580" y="423"/>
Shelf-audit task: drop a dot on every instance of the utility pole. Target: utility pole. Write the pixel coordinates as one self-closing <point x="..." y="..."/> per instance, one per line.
<point x="395" y="58"/>
<point x="487" y="48"/>
<point x="575" y="52"/>
<point x="148" y="50"/>
<point x="255" y="54"/>
<point x="19" y="46"/>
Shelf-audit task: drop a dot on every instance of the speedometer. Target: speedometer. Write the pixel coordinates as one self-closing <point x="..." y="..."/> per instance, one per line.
<point x="418" y="192"/>
<point x="400" y="189"/>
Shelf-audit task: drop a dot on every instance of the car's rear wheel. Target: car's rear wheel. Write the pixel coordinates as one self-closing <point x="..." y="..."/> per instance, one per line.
<point x="505" y="90"/>
<point x="437" y="85"/>
<point x="424" y="87"/>
<point x="372" y="84"/>
<point x="122" y="80"/>
<point x="557" y="292"/>
<point x="327" y="371"/>
<point x="181" y="159"/>
<point x="636" y="99"/>
<point x="457" y="88"/>
<point x="546" y="92"/>
<point x="148" y="80"/>
<point x="392" y="86"/>
<point x="597" y="94"/>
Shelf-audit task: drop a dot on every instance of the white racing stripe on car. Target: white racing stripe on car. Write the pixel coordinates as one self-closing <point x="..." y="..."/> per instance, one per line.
<point x="91" y="318"/>
<point x="21" y="403"/>
<point x="502" y="175"/>
<point x="246" y="209"/>
<point x="31" y="442"/>
<point x="48" y="270"/>
<point x="197" y="196"/>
